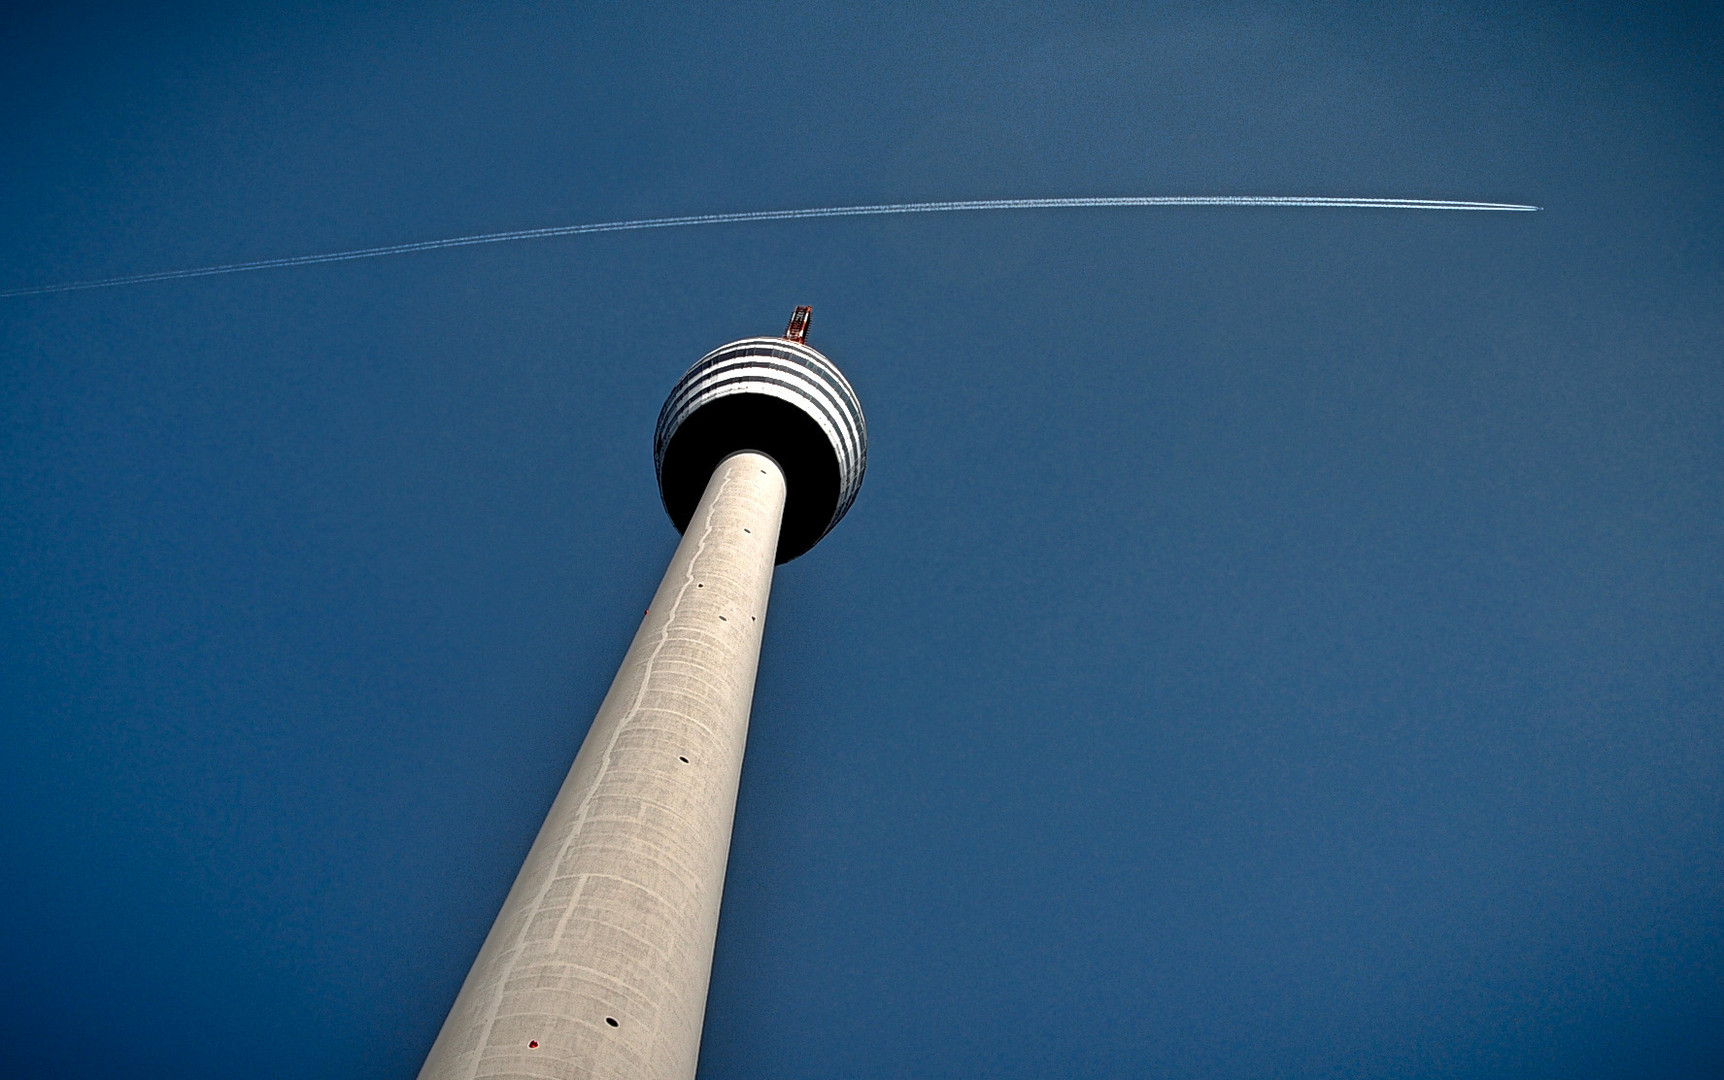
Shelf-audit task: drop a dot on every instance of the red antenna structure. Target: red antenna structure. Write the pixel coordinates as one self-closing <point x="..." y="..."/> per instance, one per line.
<point x="797" y="331"/>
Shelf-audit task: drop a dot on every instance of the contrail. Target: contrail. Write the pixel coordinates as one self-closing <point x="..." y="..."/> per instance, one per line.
<point x="768" y="215"/>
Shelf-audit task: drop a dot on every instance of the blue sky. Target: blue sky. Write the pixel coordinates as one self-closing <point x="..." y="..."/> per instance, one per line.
<point x="1268" y="642"/>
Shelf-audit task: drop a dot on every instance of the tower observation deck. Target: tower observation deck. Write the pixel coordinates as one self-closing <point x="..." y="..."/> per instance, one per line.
<point x="598" y="963"/>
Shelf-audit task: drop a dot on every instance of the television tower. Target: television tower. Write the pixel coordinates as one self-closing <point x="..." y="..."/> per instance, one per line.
<point x="598" y="964"/>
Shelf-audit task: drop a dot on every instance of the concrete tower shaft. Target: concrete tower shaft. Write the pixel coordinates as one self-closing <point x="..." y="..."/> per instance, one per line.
<point x="598" y="964"/>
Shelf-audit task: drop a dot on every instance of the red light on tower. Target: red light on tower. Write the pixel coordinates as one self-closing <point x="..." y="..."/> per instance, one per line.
<point x="797" y="331"/>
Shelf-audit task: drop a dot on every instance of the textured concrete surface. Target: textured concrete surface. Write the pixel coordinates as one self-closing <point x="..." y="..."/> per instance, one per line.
<point x="598" y="964"/>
